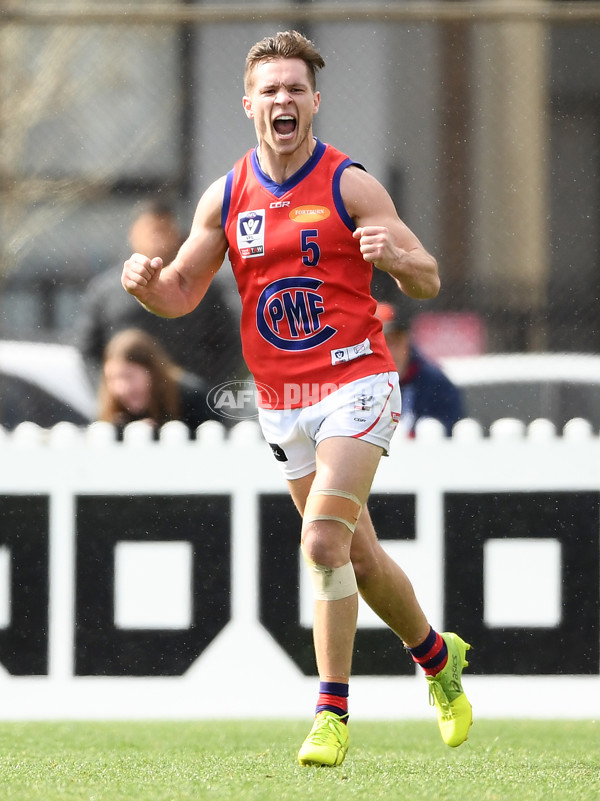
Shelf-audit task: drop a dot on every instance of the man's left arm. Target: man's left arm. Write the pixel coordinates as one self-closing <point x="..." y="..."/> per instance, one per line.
<point x="384" y="239"/>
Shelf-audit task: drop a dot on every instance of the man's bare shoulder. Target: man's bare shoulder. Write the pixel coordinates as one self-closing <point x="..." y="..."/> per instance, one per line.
<point x="363" y="193"/>
<point x="213" y="196"/>
<point x="217" y="187"/>
<point x="208" y="211"/>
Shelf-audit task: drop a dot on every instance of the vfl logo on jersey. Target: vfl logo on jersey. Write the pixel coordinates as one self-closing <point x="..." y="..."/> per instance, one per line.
<point x="306" y="214"/>
<point x="342" y="355"/>
<point x="288" y="314"/>
<point x="251" y="233"/>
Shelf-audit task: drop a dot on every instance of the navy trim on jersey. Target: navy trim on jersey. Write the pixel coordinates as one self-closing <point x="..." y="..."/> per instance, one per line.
<point x="337" y="195"/>
<point x="279" y="190"/>
<point x="226" y="198"/>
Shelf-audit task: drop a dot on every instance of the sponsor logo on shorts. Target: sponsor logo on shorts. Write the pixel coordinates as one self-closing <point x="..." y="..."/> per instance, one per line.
<point x="363" y="403"/>
<point x="278" y="452"/>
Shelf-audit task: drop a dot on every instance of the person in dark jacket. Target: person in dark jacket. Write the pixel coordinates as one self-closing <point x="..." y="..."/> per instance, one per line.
<point x="207" y="342"/>
<point x="426" y="390"/>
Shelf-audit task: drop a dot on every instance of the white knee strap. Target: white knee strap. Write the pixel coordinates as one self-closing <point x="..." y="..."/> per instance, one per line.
<point x="333" y="504"/>
<point x="332" y="583"/>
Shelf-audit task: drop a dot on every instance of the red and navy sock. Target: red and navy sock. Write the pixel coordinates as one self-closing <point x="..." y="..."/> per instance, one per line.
<point x="431" y="654"/>
<point x="333" y="696"/>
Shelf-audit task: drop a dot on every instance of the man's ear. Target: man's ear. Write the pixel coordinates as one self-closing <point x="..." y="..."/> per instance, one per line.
<point x="247" y="103"/>
<point x="316" y="102"/>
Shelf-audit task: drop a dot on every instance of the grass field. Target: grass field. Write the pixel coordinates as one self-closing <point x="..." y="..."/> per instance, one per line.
<point x="256" y="761"/>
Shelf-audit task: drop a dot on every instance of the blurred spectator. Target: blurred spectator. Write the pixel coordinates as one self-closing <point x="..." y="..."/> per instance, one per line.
<point x="205" y="342"/>
<point x="426" y="390"/>
<point x="140" y="382"/>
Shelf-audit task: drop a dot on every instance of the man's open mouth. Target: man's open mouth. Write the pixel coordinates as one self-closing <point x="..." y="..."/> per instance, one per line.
<point x="284" y="125"/>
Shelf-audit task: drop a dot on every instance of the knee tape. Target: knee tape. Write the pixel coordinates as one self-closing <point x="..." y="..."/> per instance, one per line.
<point x="332" y="583"/>
<point x="333" y="504"/>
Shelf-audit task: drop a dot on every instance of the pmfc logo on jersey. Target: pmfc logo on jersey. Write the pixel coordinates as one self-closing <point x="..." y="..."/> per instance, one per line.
<point x="288" y="314"/>
<point x="251" y="233"/>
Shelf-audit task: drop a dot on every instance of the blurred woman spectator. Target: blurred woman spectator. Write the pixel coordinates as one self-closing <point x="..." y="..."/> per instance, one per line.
<point x="140" y="382"/>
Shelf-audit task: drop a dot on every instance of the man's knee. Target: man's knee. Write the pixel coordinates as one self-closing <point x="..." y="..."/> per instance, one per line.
<point x="329" y="516"/>
<point x="363" y="564"/>
<point x="367" y="557"/>
<point x="325" y="543"/>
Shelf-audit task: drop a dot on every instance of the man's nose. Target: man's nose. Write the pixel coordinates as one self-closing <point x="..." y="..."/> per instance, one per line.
<point x="283" y="96"/>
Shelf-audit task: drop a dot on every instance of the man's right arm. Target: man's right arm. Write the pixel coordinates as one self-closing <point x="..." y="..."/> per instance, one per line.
<point x="176" y="289"/>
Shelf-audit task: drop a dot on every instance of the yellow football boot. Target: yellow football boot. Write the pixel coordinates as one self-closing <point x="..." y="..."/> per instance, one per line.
<point x="454" y="712"/>
<point x="327" y="741"/>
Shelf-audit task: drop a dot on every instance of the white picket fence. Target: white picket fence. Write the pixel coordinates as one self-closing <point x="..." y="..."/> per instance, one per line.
<point x="66" y="462"/>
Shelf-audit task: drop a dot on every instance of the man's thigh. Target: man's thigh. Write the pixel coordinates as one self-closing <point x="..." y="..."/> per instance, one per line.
<point x="347" y="464"/>
<point x="342" y="463"/>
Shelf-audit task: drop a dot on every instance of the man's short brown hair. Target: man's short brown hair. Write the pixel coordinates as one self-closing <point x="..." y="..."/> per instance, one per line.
<point x="285" y="44"/>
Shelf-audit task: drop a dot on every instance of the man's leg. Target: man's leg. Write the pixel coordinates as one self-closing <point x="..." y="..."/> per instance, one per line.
<point x="385" y="586"/>
<point x="347" y="465"/>
<point x="388" y="591"/>
<point x="381" y="582"/>
<point x="330" y="501"/>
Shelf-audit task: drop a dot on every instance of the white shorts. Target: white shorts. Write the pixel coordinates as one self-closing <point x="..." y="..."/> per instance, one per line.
<point x="367" y="409"/>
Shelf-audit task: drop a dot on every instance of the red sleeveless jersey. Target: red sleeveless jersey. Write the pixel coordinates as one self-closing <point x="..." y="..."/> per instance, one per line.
<point x="308" y="317"/>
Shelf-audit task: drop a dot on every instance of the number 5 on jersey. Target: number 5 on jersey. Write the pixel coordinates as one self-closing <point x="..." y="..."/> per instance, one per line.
<point x="311" y="252"/>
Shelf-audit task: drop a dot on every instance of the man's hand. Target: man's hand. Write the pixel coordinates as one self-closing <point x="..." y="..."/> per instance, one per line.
<point x="376" y="246"/>
<point x="415" y="270"/>
<point x="140" y="274"/>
